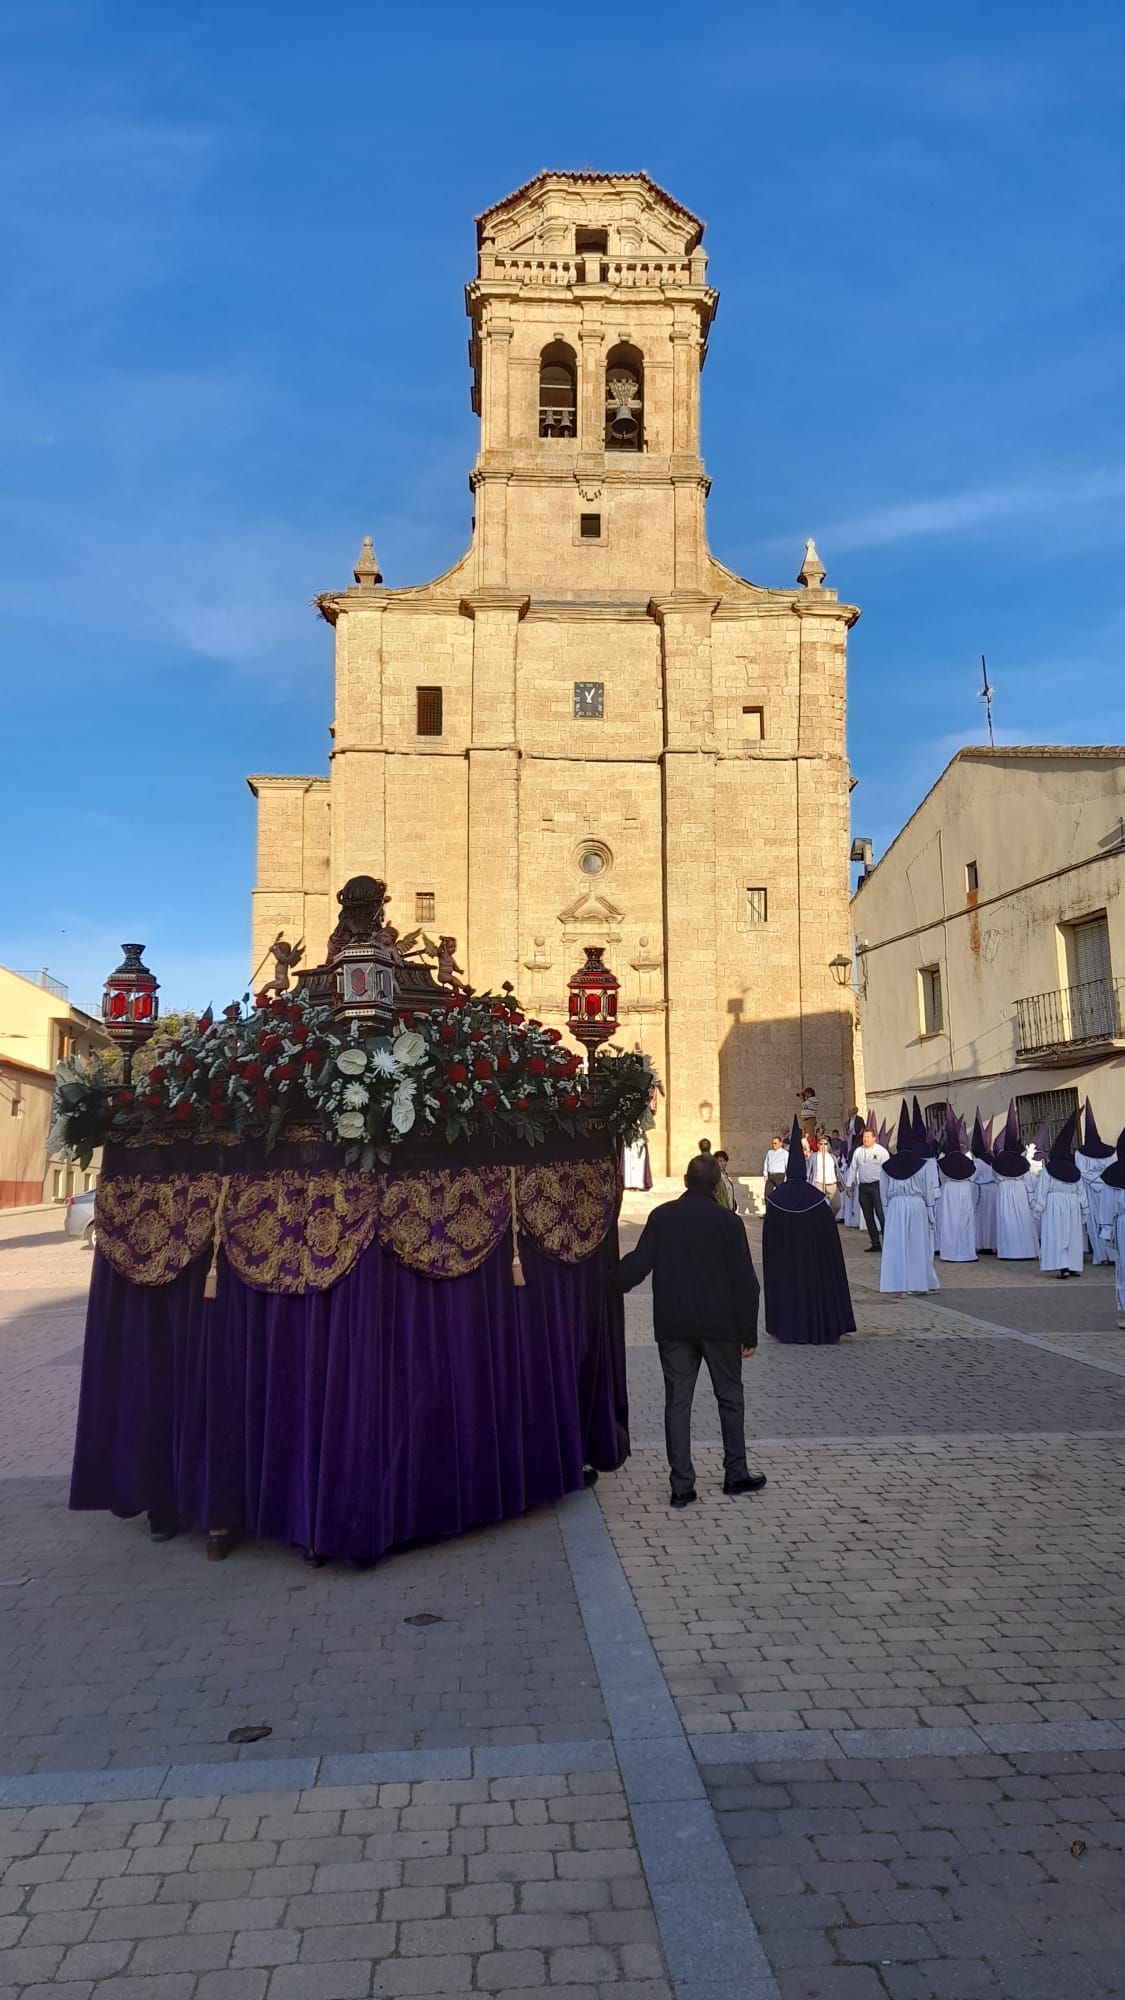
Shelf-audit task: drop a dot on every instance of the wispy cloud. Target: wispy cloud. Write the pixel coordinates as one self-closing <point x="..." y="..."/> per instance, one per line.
<point x="953" y="514"/>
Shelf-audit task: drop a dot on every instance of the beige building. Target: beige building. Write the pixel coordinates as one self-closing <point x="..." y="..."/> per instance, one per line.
<point x="589" y="730"/>
<point x="38" y="1028"/>
<point x="990" y="941"/>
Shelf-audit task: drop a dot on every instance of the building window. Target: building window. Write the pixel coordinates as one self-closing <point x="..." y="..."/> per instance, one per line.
<point x="424" y="906"/>
<point x="935" y="1118"/>
<point x="753" y="725"/>
<point x="429" y="711"/>
<point x="624" y="400"/>
<point x="590" y="527"/>
<point x="756" y="906"/>
<point x="91" y="1182"/>
<point x="57" y="1184"/>
<point x="591" y="242"/>
<point x="558" y="391"/>
<point x="933" y="1016"/>
<point x="971" y="879"/>
<point x="589" y="700"/>
<point x="1049" y="1108"/>
<point x="15" y="1105"/>
<point x="594" y="857"/>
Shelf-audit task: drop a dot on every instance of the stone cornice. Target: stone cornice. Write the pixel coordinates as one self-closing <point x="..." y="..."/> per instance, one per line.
<point x="668" y="605"/>
<point x="488" y="599"/>
<point x="823" y="604"/>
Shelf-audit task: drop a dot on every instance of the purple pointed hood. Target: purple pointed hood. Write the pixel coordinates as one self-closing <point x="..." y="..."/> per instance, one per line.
<point x="1093" y="1146"/>
<point x="919" y="1136"/>
<point x="1114" y="1176"/>
<point x="1009" y="1159"/>
<point x="1060" y="1160"/>
<point x="796" y="1195"/>
<point x="906" y="1160"/>
<point x="953" y="1162"/>
<point x="980" y="1148"/>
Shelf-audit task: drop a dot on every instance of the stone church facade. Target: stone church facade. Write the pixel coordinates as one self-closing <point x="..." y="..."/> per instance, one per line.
<point x="589" y="730"/>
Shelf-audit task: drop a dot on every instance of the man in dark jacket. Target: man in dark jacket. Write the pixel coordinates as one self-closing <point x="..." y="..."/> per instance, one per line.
<point x="704" y="1308"/>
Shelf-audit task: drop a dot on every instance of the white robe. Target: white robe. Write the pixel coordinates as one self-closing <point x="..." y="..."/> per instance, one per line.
<point x="1096" y="1192"/>
<point x="1113" y="1237"/>
<point x="1062" y="1211"/>
<point x="1016" y="1234"/>
<point x="956" y="1234"/>
<point x="637" y="1176"/>
<point x="984" y="1180"/>
<point x="908" y="1233"/>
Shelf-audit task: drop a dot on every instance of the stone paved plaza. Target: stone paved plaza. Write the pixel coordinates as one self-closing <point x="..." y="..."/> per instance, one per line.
<point x="862" y="1736"/>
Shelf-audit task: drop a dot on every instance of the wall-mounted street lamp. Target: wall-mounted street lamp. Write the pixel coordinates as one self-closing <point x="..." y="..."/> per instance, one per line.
<point x="841" y="969"/>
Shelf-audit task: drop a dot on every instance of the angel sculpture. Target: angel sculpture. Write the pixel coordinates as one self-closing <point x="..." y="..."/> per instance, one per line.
<point x="286" y="958"/>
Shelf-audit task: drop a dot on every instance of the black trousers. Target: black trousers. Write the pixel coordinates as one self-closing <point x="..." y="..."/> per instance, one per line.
<point x="680" y="1356"/>
<point x="871" y="1209"/>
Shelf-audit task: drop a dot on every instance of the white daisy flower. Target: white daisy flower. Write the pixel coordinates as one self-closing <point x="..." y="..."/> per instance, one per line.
<point x="383" y="1062"/>
<point x="355" y="1095"/>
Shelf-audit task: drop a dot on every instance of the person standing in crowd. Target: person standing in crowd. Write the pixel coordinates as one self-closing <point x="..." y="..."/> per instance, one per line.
<point x="1062" y="1207"/>
<point x="1016" y="1234"/>
<point x="906" y="1186"/>
<point x="822" y="1171"/>
<point x="807" y="1111"/>
<point x="1092" y="1158"/>
<point x="637" y="1172"/>
<point x="726" y="1183"/>
<point x="808" y="1303"/>
<point x="1113" y="1221"/>
<point x="775" y="1163"/>
<point x="957" y="1201"/>
<point x="864" y="1175"/>
<point x="984" y="1177"/>
<point x="704" y="1309"/>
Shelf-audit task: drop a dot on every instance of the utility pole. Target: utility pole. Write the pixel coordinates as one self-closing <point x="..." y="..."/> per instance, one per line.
<point x="986" y="694"/>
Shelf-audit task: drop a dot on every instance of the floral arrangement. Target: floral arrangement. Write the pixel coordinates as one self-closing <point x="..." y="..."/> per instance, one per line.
<point x="473" y="1066"/>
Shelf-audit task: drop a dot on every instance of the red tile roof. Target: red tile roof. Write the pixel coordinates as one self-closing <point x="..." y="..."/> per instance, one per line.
<point x="587" y="174"/>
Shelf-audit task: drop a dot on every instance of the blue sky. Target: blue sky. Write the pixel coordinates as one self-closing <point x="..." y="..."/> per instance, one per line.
<point x="232" y="245"/>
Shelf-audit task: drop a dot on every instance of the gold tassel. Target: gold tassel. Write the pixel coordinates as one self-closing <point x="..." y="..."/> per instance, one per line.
<point x="517" y="1268"/>
<point x="211" y="1282"/>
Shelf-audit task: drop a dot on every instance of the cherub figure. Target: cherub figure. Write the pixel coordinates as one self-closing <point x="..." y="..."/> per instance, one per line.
<point x="286" y="958"/>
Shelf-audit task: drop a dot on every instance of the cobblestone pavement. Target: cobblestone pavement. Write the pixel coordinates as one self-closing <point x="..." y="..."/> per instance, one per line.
<point x="884" y="1701"/>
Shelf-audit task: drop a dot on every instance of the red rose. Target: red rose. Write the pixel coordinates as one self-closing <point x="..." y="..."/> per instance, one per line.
<point x="457" y="1073"/>
<point x="535" y="1024"/>
<point x="156" y="1076"/>
<point x="251" y="1071"/>
<point x="152" y="1103"/>
<point x="185" y="1065"/>
<point x="504" y="1061"/>
<point x="218" y="1113"/>
<point x="262" y="999"/>
<point x="521" y="1103"/>
<point x="301" y="1035"/>
<point x="182" y="1111"/>
<point x="482" y="1066"/>
<point x="515" y="1019"/>
<point x="284" y="1071"/>
<point x="537" y="1065"/>
<point x="490" y="1100"/>
<point x="125" y="1097"/>
<point x="262" y="1094"/>
<point x="407" y="1017"/>
<point x="217" y="1092"/>
<point x="553" y="1035"/>
<point x="569" y="1102"/>
<point x="233" y="1012"/>
<point x="448" y="1034"/>
<point x="499" y="1010"/>
<point x="476" y="1035"/>
<point x="270" y="1044"/>
<point x="312" y="1058"/>
<point x="296" y="1014"/>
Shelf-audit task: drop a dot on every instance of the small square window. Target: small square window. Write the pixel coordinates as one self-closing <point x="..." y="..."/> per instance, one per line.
<point x="753" y="725"/>
<point x="425" y="903"/>
<point x="429" y="719"/>
<point x="590" y="527"/>
<point x="756" y="906"/>
<point x="933" y="1013"/>
<point x="971" y="880"/>
<point x="591" y="241"/>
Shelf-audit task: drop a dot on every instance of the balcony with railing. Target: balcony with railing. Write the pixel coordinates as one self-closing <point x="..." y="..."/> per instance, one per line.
<point x="1051" y="1026"/>
<point x="44" y="979"/>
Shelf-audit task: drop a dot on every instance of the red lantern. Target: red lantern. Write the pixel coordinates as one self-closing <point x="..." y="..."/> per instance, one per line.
<point x="592" y="1001"/>
<point x="130" y="1008"/>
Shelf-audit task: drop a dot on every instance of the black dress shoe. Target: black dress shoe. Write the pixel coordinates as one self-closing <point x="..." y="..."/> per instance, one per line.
<point x="684" y="1499"/>
<point x="753" y="1483"/>
<point x="873" y="1249"/>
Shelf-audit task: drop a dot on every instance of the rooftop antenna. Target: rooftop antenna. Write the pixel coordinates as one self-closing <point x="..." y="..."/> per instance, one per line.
<point x="986" y="694"/>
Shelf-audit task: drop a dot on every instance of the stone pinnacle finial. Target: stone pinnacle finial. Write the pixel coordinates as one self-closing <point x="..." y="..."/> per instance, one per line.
<point x="812" y="571"/>
<point x="367" y="568"/>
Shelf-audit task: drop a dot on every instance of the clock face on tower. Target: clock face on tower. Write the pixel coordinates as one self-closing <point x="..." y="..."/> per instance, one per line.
<point x="589" y="698"/>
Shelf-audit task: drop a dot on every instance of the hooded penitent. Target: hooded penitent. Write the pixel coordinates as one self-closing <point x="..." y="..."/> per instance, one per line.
<point x="1114" y="1176"/>
<point x="906" y="1160"/>
<point x="1060" y="1160"/>
<point x="980" y="1148"/>
<point x="1009" y="1159"/>
<point x="796" y="1192"/>
<point x="953" y="1161"/>
<point x="919" y="1136"/>
<point x="1093" y="1146"/>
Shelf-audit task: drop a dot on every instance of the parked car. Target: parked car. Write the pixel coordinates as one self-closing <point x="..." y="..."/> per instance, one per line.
<point x="80" y="1218"/>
